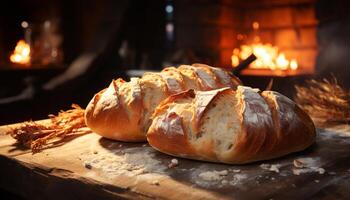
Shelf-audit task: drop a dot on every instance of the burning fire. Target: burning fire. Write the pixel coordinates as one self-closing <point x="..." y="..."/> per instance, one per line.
<point x="21" y="54"/>
<point x="268" y="56"/>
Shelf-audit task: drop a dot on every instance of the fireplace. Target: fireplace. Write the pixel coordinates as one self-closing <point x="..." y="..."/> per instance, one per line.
<point x="287" y="25"/>
<point x="309" y="35"/>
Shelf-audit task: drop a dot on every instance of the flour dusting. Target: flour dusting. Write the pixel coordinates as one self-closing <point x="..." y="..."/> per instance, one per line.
<point x="132" y="161"/>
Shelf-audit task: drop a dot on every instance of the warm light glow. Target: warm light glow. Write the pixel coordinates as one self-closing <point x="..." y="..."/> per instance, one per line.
<point x="293" y="64"/>
<point x="282" y="62"/>
<point x="268" y="56"/>
<point x="21" y="54"/>
<point x="255" y="25"/>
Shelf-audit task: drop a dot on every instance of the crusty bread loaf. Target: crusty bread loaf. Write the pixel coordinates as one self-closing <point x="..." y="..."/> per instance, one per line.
<point x="123" y="110"/>
<point x="230" y="126"/>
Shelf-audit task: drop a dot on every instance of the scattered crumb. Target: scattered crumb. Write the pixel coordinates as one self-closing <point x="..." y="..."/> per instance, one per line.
<point x="306" y="162"/>
<point x="173" y="163"/>
<point x="307" y="165"/>
<point x="317" y="181"/>
<point x="120" y="145"/>
<point x="95" y="152"/>
<point x="321" y="170"/>
<point x="144" y="145"/>
<point x="273" y="168"/>
<point x="236" y="170"/>
<point x="272" y="178"/>
<point x="297" y="163"/>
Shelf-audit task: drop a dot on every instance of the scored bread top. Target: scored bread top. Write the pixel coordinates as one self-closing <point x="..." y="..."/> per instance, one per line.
<point x="230" y="126"/>
<point x="135" y="101"/>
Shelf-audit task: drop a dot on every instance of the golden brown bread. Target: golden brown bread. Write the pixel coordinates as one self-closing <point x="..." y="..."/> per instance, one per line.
<point x="230" y="126"/>
<point x="123" y="110"/>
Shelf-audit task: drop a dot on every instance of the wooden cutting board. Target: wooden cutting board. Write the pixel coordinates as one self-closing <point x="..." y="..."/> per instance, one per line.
<point x="91" y="167"/>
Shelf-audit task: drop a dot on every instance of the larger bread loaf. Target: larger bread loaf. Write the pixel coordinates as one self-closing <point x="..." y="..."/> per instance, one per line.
<point x="123" y="110"/>
<point x="230" y="126"/>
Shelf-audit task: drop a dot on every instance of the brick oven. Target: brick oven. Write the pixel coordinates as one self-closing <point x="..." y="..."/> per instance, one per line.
<point x="215" y="29"/>
<point x="225" y="25"/>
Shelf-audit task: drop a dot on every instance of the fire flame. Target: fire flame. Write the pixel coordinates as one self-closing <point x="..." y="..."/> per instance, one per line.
<point x="21" y="54"/>
<point x="268" y="56"/>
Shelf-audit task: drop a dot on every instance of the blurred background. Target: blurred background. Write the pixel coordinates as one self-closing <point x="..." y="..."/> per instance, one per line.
<point x="55" y="53"/>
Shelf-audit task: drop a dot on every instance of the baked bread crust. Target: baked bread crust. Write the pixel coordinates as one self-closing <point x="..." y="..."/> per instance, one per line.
<point x="230" y="126"/>
<point x="123" y="110"/>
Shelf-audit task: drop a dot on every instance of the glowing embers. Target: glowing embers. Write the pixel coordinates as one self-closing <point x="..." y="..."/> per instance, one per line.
<point x="21" y="54"/>
<point x="268" y="56"/>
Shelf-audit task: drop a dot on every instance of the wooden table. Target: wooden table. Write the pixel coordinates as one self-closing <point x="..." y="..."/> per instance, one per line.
<point x="91" y="167"/>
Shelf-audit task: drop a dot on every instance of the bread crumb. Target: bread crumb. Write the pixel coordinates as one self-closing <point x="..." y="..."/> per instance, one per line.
<point x="317" y="181"/>
<point x="321" y="170"/>
<point x="173" y="163"/>
<point x="236" y="170"/>
<point x="307" y="165"/>
<point x="297" y="163"/>
<point x="306" y="162"/>
<point x="273" y="168"/>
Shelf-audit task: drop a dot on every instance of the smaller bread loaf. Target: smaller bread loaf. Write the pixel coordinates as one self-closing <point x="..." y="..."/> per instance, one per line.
<point x="123" y="110"/>
<point x="230" y="126"/>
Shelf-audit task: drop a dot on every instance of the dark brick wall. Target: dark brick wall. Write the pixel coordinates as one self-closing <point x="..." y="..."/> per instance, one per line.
<point x="213" y="26"/>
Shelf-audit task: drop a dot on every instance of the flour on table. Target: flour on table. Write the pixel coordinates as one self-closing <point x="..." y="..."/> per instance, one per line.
<point x="307" y="165"/>
<point x="217" y="178"/>
<point x="132" y="161"/>
<point x="213" y="175"/>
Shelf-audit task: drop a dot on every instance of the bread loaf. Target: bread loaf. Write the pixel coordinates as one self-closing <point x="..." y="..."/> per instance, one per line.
<point x="230" y="126"/>
<point x="123" y="110"/>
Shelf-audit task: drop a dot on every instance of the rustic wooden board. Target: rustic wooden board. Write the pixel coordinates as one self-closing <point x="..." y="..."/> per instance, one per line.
<point x="91" y="167"/>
